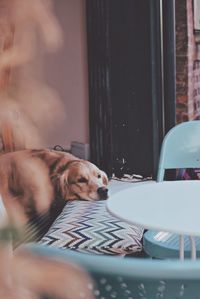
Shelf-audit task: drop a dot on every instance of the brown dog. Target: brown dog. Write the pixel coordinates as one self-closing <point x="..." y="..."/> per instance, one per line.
<point x="37" y="183"/>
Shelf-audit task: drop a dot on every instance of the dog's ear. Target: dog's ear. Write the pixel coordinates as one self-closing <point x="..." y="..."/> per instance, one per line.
<point x="104" y="178"/>
<point x="60" y="183"/>
<point x="62" y="171"/>
<point x="64" y="184"/>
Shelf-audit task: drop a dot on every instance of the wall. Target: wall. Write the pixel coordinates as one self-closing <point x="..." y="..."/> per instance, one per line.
<point x="66" y="71"/>
<point x="188" y="64"/>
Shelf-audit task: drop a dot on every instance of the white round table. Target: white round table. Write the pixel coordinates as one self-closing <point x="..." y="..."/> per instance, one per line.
<point x="167" y="206"/>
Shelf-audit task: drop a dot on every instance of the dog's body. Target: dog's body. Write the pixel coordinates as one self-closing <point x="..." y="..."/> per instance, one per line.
<point x="37" y="183"/>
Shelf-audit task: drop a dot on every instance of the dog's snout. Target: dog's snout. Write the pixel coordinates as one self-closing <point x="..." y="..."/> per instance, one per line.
<point x="103" y="192"/>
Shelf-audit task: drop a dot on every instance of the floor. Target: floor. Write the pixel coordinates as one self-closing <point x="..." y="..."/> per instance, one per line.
<point x="116" y="185"/>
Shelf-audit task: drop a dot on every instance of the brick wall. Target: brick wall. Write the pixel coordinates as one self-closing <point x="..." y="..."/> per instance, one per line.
<point x="188" y="64"/>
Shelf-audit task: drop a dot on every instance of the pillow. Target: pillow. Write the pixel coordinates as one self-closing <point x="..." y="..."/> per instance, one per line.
<point x="88" y="227"/>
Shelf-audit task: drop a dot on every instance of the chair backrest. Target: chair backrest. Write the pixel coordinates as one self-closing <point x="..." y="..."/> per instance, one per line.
<point x="180" y="148"/>
<point x="133" y="278"/>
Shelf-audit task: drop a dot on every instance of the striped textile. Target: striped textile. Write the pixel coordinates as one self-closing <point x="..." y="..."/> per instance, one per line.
<point x="88" y="227"/>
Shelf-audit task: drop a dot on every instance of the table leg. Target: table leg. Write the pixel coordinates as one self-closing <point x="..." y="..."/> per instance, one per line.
<point x="181" y="247"/>
<point x="193" y="248"/>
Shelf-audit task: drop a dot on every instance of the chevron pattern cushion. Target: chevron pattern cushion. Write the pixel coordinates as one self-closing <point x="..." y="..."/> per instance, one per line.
<point x="88" y="227"/>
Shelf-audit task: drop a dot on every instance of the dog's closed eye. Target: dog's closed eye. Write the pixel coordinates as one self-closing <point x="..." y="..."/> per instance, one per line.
<point x="82" y="180"/>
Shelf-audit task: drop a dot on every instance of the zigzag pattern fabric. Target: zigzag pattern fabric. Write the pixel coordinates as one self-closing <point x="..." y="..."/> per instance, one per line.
<point x="88" y="227"/>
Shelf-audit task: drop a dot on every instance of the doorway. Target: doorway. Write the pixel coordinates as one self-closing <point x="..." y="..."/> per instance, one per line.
<point x="126" y="84"/>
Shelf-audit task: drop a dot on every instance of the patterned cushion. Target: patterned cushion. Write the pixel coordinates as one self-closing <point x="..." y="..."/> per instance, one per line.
<point x="88" y="227"/>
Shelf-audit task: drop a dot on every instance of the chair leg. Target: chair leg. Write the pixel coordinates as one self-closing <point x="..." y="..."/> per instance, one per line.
<point x="181" y="244"/>
<point x="193" y="248"/>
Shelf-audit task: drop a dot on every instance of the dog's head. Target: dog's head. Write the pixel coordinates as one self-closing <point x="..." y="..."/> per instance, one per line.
<point x="80" y="179"/>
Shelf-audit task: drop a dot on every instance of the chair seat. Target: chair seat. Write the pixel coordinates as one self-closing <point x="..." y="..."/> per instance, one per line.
<point x="125" y="278"/>
<point x="164" y="245"/>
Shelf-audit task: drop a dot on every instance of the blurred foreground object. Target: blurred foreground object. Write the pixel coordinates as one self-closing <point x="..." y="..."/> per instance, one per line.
<point x="26" y="276"/>
<point x="28" y="30"/>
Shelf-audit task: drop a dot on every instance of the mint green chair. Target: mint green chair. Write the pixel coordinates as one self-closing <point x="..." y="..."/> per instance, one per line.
<point x="180" y="149"/>
<point x="131" y="278"/>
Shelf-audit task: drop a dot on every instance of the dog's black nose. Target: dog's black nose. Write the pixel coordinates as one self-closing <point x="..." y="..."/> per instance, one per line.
<point x="103" y="192"/>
